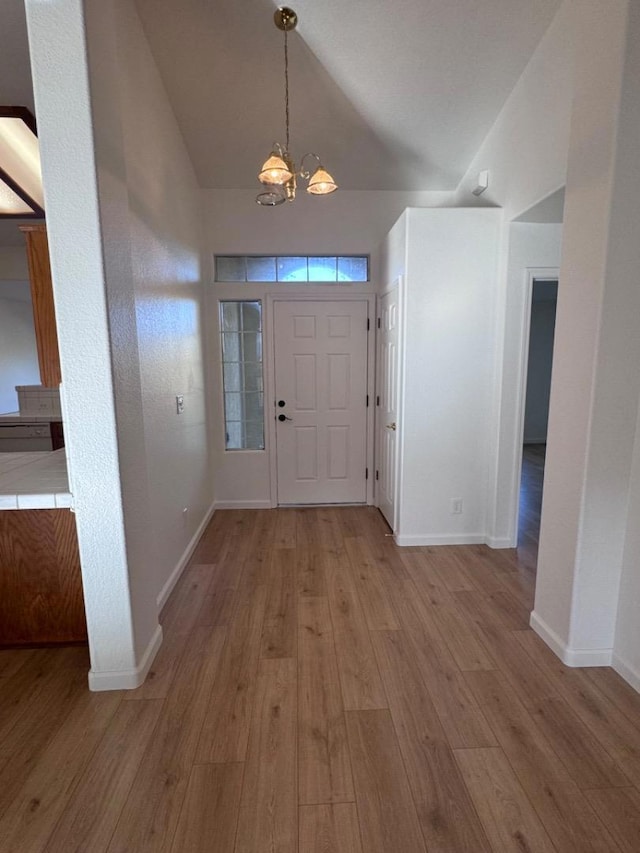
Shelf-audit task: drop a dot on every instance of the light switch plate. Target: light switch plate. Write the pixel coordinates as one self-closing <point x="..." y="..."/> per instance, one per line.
<point x="179" y="404"/>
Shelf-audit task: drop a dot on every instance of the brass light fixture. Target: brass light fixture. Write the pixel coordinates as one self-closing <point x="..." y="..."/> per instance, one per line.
<point x="278" y="173"/>
<point x="21" y="194"/>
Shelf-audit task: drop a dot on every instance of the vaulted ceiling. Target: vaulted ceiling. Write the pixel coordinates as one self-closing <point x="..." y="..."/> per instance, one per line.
<point x="392" y="95"/>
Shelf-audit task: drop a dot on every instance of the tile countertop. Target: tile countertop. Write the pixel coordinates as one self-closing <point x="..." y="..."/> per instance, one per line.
<point x="13" y="418"/>
<point x="34" y="481"/>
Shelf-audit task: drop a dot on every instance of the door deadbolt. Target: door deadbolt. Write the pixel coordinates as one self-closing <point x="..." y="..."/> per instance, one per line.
<point x="281" y="404"/>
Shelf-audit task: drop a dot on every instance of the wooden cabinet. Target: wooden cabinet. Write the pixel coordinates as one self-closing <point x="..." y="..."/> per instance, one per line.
<point x="43" y="308"/>
<point x="41" y="598"/>
<point x="57" y="435"/>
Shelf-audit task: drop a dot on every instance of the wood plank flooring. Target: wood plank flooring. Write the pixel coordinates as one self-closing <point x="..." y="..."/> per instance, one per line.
<point x="320" y="690"/>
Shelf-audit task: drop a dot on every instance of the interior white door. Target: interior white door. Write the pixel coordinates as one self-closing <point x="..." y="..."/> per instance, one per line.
<point x="321" y="398"/>
<point x="387" y="408"/>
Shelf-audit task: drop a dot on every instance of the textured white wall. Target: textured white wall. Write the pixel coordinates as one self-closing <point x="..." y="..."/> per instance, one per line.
<point x="132" y="331"/>
<point x="18" y="355"/>
<point x="58" y="51"/>
<point x="526" y="150"/>
<point x="450" y="341"/>
<point x="595" y="386"/>
<point x="165" y="233"/>
<point x="349" y="222"/>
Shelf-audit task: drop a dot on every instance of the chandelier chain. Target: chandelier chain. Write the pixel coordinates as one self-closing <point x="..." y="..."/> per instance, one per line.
<point x="286" y="87"/>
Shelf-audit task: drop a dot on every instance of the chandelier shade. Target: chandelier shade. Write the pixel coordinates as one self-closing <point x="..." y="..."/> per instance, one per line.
<point x="279" y="173"/>
<point x="275" y="170"/>
<point x="321" y="183"/>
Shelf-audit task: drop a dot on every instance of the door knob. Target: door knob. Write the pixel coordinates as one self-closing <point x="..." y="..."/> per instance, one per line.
<point x="284" y="418"/>
<point x="392" y="426"/>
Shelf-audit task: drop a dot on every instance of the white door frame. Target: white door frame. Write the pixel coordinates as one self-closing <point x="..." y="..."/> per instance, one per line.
<point x="532" y="274"/>
<point x="398" y="284"/>
<point x="269" y="355"/>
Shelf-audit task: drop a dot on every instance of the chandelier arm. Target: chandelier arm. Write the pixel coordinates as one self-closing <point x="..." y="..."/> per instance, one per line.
<point x="305" y="173"/>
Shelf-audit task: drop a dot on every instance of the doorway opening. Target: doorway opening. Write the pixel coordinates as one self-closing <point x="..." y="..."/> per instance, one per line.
<point x="542" y="317"/>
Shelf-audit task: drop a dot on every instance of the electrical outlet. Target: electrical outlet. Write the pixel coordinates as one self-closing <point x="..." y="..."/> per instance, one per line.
<point x="179" y="404"/>
<point x="456" y="506"/>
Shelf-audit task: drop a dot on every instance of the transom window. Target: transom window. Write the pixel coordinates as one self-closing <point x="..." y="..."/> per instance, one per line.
<point x="325" y="268"/>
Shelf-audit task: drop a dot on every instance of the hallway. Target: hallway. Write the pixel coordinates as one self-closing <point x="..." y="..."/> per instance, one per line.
<point x="531" y="482"/>
<point x="321" y="690"/>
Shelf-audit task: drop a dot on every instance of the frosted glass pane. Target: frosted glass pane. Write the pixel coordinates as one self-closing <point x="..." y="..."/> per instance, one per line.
<point x="233" y="407"/>
<point x="292" y="269"/>
<point x="230" y="312"/>
<point x="234" y="436"/>
<point x="322" y="269"/>
<point x="253" y="407"/>
<point x="231" y="269"/>
<point x="251" y="316"/>
<point x="353" y="269"/>
<point x="230" y="346"/>
<point x="261" y="269"/>
<point x="252" y="346"/>
<point x="254" y="436"/>
<point x="252" y="377"/>
<point x="232" y="373"/>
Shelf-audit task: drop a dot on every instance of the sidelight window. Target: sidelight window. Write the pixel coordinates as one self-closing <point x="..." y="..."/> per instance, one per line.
<point x="241" y="333"/>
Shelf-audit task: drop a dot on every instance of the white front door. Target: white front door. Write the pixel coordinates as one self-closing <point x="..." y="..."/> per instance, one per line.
<point x="321" y="399"/>
<point x="387" y="407"/>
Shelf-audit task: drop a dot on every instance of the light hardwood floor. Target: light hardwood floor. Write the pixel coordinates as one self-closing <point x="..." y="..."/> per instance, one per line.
<point x="321" y="690"/>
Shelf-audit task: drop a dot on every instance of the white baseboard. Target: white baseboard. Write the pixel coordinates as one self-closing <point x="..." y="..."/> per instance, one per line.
<point x="448" y="539"/>
<point x="630" y="675"/>
<point x="568" y="656"/>
<point x="173" y="578"/>
<point x="498" y="542"/>
<point x="127" y="679"/>
<point x="243" y="504"/>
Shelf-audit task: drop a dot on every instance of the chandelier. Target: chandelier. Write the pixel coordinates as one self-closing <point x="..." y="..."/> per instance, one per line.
<point x="279" y="173"/>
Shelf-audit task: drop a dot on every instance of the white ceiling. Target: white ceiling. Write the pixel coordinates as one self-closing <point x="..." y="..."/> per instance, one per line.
<point x="392" y="95"/>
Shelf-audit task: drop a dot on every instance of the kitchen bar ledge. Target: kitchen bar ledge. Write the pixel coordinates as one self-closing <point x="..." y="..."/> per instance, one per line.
<point x="34" y="481"/>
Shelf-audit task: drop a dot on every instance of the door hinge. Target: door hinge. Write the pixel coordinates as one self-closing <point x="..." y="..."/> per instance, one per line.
<point x="378" y="400"/>
<point x="366" y="473"/>
<point x="378" y="322"/>
<point x="368" y="324"/>
<point x="377" y="475"/>
<point x="367" y="401"/>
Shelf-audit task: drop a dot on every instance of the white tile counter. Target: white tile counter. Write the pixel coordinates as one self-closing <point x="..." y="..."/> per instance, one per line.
<point x="34" y="481"/>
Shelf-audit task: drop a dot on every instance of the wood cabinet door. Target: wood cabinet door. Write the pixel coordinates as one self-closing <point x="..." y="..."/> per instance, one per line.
<point x="41" y="598"/>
